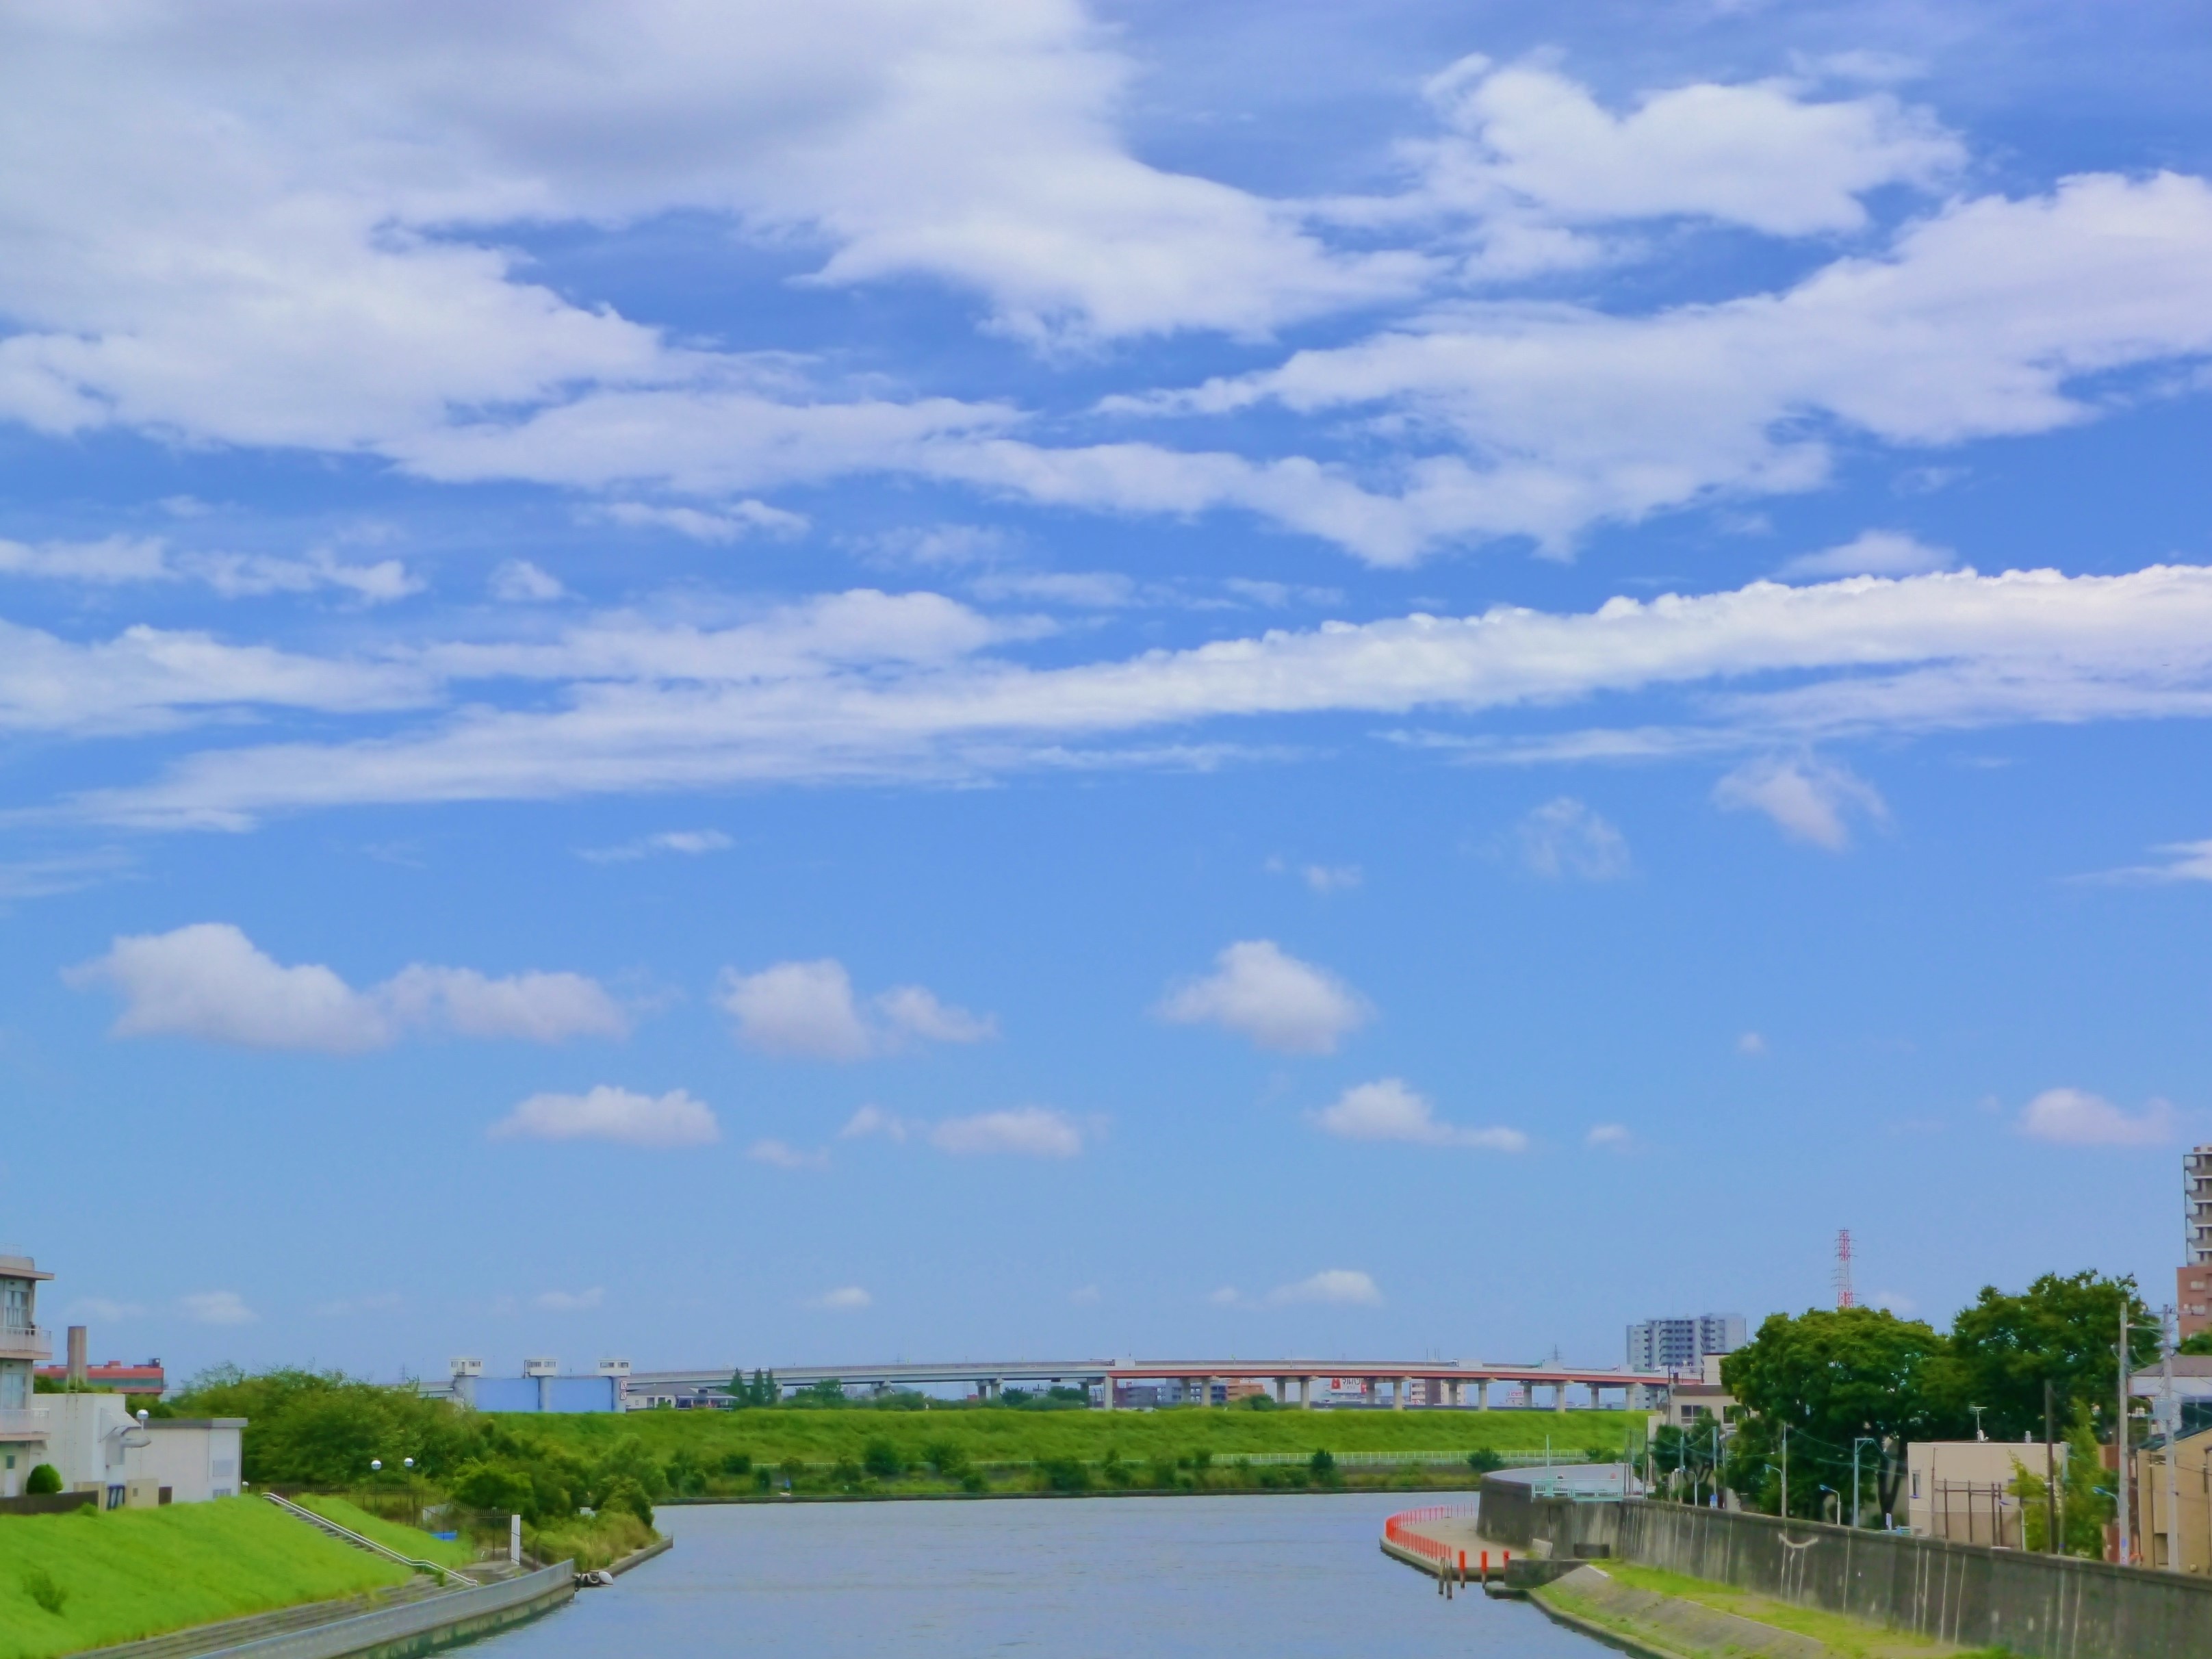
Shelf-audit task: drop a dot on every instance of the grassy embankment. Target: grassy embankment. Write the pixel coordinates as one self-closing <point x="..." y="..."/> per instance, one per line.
<point x="410" y="1541"/>
<point x="589" y="1540"/>
<point x="1845" y="1638"/>
<point x="888" y="1453"/>
<point x="86" y="1579"/>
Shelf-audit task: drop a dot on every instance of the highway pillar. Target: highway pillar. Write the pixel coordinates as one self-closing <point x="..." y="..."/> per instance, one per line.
<point x="1305" y="1394"/>
<point x="1106" y="1391"/>
<point x="1398" y="1392"/>
<point x="1482" y="1395"/>
<point x="1207" y="1398"/>
<point x="1282" y="1391"/>
<point x="1559" y="1396"/>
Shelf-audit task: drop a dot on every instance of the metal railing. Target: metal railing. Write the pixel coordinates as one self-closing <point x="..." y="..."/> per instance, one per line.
<point x="313" y="1519"/>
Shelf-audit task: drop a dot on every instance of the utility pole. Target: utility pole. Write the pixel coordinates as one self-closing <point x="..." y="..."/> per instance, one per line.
<point x="2173" y="1414"/>
<point x="2120" y="1435"/>
<point x="1785" y="1476"/>
<point x="2051" y="1539"/>
<point x="1863" y="1440"/>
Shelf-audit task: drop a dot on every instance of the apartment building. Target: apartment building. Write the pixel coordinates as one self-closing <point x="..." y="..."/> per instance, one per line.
<point x="22" y="1345"/>
<point x="1681" y="1344"/>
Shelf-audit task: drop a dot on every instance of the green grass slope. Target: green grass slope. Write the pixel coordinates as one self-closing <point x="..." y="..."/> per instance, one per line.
<point x="771" y="1435"/>
<point x="410" y="1541"/>
<point x="131" y="1573"/>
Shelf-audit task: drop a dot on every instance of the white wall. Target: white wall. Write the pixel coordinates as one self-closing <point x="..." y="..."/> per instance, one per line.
<point x="196" y="1459"/>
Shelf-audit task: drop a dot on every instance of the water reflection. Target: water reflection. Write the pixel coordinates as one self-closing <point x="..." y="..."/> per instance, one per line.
<point x="1121" y="1579"/>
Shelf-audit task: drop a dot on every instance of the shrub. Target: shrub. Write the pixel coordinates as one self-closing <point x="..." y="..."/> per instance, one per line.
<point x="39" y="1585"/>
<point x="845" y="1473"/>
<point x="1483" y="1461"/>
<point x="44" y="1480"/>
<point x="973" y="1480"/>
<point x="880" y="1459"/>
<point x="737" y="1463"/>
<point x="628" y="1497"/>
<point x="945" y="1457"/>
<point x="1064" y="1473"/>
<point x="1162" y="1474"/>
<point x="488" y="1486"/>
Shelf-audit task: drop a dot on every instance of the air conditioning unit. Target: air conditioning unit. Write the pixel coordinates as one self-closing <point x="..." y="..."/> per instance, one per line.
<point x="541" y="1367"/>
<point x="465" y="1367"/>
<point x="614" y="1367"/>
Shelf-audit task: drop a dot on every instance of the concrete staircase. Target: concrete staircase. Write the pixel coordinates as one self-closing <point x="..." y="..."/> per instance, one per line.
<point x="347" y="1535"/>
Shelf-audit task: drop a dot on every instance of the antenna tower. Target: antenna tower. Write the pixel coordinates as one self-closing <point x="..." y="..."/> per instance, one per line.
<point x="1845" y="1298"/>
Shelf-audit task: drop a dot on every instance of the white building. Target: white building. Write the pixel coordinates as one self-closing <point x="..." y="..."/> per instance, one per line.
<point x="1680" y="1345"/>
<point x="22" y="1345"/>
<point x="94" y="1439"/>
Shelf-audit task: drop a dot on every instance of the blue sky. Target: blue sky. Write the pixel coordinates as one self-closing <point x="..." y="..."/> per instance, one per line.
<point x="718" y="684"/>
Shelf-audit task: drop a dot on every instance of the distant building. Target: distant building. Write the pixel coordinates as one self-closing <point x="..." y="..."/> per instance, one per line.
<point x="541" y="1388"/>
<point x="1681" y="1344"/>
<point x="1696" y="1405"/>
<point x="2193" y="1281"/>
<point x="1962" y="1490"/>
<point x="146" y="1379"/>
<point x="22" y="1344"/>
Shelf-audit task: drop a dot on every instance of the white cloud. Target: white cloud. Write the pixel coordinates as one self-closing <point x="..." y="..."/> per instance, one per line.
<point x="1896" y="1302"/>
<point x="2180" y="860"/>
<point x="1980" y="320"/>
<point x="117" y="560"/>
<point x="1610" y="1137"/>
<point x="607" y="1113"/>
<point x="1873" y="553"/>
<point x="689" y="843"/>
<point x="518" y="582"/>
<point x="807" y="1009"/>
<point x="1085" y="1296"/>
<point x="876" y="687"/>
<point x="1751" y="1043"/>
<point x="1565" y="837"/>
<point x="785" y="1156"/>
<point x="1808" y="799"/>
<point x="1387" y="1110"/>
<point x="98" y="1311"/>
<point x="209" y="980"/>
<point x="1332" y="878"/>
<point x="874" y="1121"/>
<point x="2074" y="1117"/>
<point x="217" y="1307"/>
<point x="569" y="1301"/>
<point x="1526" y="146"/>
<point x="849" y="1298"/>
<point x="1260" y="992"/>
<point x="1027" y="1131"/>
<point x="917" y="1011"/>
<point x="1226" y="1297"/>
<point x="724" y="524"/>
<point x="1341" y="1286"/>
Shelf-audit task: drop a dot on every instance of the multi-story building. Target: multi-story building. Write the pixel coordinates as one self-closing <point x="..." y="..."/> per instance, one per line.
<point x="22" y="1344"/>
<point x="2193" y="1281"/>
<point x="1683" y="1345"/>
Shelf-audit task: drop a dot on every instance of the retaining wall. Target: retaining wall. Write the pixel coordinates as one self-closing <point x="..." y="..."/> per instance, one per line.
<point x="420" y="1627"/>
<point x="2042" y="1607"/>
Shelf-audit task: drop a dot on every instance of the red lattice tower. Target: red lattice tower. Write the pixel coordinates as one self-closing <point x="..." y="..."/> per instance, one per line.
<point x="1845" y="1298"/>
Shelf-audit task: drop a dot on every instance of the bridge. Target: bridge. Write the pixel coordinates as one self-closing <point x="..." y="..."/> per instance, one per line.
<point x="1445" y="1383"/>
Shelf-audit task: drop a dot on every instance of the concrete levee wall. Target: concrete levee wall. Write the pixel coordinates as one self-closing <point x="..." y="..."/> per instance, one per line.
<point x="420" y="1627"/>
<point x="2038" y="1605"/>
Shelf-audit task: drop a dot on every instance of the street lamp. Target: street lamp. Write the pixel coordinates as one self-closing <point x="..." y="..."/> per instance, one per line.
<point x="1978" y="1410"/>
<point x="1862" y="1440"/>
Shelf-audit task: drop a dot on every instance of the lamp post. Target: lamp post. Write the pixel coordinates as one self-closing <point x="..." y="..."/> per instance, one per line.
<point x="1862" y="1440"/>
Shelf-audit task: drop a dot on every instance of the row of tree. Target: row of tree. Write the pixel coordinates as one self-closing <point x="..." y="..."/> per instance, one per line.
<point x="1832" y="1383"/>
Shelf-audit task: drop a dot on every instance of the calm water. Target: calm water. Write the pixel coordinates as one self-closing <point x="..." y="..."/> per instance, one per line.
<point x="1124" y="1579"/>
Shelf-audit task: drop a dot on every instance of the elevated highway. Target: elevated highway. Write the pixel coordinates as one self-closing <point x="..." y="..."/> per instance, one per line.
<point x="1453" y="1383"/>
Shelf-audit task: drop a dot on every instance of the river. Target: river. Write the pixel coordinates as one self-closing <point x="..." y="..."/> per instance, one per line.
<point x="1276" y="1578"/>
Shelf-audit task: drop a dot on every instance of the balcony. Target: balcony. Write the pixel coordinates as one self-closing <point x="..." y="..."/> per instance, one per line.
<point x="22" y="1423"/>
<point x="26" y="1342"/>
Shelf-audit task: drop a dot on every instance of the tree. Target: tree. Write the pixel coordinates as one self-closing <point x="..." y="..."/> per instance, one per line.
<point x="762" y="1390"/>
<point x="881" y="1459"/>
<point x="2083" y="1506"/>
<point x="2200" y="1344"/>
<point x="1829" y="1378"/>
<point x="43" y="1480"/>
<point x="2063" y="1329"/>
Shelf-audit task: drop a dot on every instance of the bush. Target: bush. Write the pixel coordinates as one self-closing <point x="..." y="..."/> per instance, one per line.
<point x="845" y="1473"/>
<point x="1161" y="1472"/>
<point x="488" y="1486"/>
<point x="880" y="1459"/>
<point x="1484" y="1460"/>
<point x="44" y="1480"/>
<point x="946" y="1457"/>
<point x="1064" y="1473"/>
<point x="737" y="1463"/>
<point x="39" y="1585"/>
<point x="1321" y="1466"/>
<point x="628" y="1497"/>
<point x="973" y="1481"/>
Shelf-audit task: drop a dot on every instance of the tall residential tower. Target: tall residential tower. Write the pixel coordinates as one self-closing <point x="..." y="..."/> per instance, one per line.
<point x="2193" y="1283"/>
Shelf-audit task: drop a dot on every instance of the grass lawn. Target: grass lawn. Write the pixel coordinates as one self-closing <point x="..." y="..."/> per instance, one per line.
<point x="408" y="1540"/>
<point x="809" y="1435"/>
<point x="130" y="1573"/>
<point x="1845" y="1636"/>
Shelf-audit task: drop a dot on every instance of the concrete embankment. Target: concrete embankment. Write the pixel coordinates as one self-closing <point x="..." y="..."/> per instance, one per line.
<point x="1659" y="1624"/>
